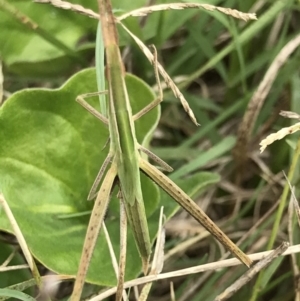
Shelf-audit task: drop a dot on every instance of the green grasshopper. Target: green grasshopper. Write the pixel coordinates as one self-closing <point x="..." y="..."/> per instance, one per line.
<point x="126" y="163"/>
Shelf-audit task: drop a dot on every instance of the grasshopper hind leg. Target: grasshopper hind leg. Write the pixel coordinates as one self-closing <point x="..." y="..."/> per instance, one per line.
<point x="158" y="100"/>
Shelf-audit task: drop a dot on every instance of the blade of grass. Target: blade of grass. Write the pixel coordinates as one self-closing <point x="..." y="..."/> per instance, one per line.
<point x="282" y="205"/>
<point x="99" y="55"/>
<point x="216" y="151"/>
<point x="245" y="36"/>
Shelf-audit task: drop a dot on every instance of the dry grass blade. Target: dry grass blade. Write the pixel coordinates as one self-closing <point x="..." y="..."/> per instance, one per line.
<point x="278" y="135"/>
<point x="193" y="270"/>
<point x="196" y="284"/>
<point x="252" y="272"/>
<point x="293" y="203"/>
<point x="14" y="267"/>
<point x="9" y="258"/>
<point x="257" y="100"/>
<point x="158" y="258"/>
<point x="69" y="6"/>
<point x="289" y="114"/>
<point x="294" y="199"/>
<point x="4" y="266"/>
<point x="172" y="291"/>
<point x="147" y="10"/>
<point x="123" y="249"/>
<point x="118" y="270"/>
<point x="178" y="6"/>
<point x="113" y="257"/>
<point x="184" y="245"/>
<point x="164" y="74"/>
<point x="95" y="223"/>
<point x="21" y="240"/>
<point x="145" y="292"/>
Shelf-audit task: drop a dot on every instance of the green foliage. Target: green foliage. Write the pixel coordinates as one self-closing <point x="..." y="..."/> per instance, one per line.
<point x="15" y="294"/>
<point x="48" y="49"/>
<point x="51" y="148"/>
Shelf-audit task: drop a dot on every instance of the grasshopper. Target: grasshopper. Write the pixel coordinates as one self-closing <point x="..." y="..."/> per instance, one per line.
<point x="125" y="163"/>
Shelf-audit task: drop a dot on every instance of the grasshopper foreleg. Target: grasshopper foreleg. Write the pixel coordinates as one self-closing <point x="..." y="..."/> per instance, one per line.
<point x="88" y="107"/>
<point x="158" y="100"/>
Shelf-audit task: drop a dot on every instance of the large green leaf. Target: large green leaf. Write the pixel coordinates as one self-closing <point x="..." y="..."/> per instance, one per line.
<point x="51" y="150"/>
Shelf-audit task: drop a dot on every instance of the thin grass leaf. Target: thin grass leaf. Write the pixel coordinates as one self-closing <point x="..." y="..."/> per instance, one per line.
<point x="99" y="55"/>
<point x="279" y="135"/>
<point x="22" y="241"/>
<point x="4" y="292"/>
